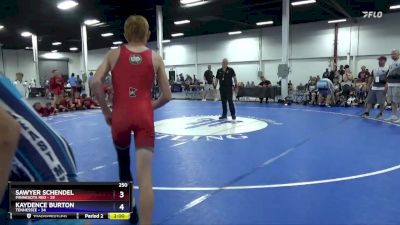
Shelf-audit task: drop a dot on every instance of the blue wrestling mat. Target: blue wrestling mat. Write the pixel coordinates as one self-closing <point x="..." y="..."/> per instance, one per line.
<point x="275" y="165"/>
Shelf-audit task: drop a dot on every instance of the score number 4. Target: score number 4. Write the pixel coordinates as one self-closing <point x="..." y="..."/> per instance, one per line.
<point x="122" y="194"/>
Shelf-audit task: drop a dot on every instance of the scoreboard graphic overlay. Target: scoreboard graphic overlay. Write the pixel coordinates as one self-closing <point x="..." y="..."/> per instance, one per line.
<point x="104" y="200"/>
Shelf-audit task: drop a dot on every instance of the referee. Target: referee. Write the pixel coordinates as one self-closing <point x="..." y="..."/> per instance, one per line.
<point x="225" y="76"/>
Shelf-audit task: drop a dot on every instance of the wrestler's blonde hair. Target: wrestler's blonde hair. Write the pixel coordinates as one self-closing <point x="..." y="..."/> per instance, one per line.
<point x="136" y="29"/>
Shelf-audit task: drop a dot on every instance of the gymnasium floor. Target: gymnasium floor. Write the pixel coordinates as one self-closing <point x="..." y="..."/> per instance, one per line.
<point x="276" y="165"/>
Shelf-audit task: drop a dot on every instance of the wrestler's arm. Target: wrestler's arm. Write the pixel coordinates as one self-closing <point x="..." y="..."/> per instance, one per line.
<point x="10" y="131"/>
<point x="98" y="80"/>
<point x="161" y="77"/>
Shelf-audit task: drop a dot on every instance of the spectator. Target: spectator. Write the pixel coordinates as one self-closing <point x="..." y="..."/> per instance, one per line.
<point x="247" y="84"/>
<point x="21" y="87"/>
<point x="181" y="78"/>
<point x="311" y="91"/>
<point x="47" y="89"/>
<point x="338" y="76"/>
<point x="264" y="83"/>
<point x="326" y="73"/>
<point x="361" y="90"/>
<point x="347" y="76"/>
<point x="341" y="70"/>
<point x="88" y="103"/>
<point x="208" y="83"/>
<point x="377" y="92"/>
<point x="290" y="86"/>
<point x="77" y="101"/>
<point x="39" y="108"/>
<point x="46" y="111"/>
<point x="90" y="83"/>
<point x="337" y="89"/>
<point x="51" y="111"/>
<point x="66" y="105"/>
<point x="318" y="78"/>
<point x="333" y="74"/>
<point x="363" y="75"/>
<point x="393" y="86"/>
<point x="72" y="81"/>
<point x="252" y="84"/>
<point x="56" y="87"/>
<point x="79" y="84"/>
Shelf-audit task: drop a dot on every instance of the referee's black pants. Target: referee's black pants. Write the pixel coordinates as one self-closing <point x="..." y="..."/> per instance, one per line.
<point x="226" y="96"/>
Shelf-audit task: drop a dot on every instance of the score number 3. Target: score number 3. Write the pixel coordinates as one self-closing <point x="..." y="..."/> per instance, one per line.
<point x="122" y="194"/>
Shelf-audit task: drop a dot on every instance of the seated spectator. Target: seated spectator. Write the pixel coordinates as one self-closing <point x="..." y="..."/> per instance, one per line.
<point x="66" y="105"/>
<point x="338" y="76"/>
<point x="311" y="91"/>
<point x="195" y="80"/>
<point x="181" y="78"/>
<point x="51" y="111"/>
<point x="347" y="89"/>
<point x="290" y="86"/>
<point x="341" y="70"/>
<point x="88" y="103"/>
<point x="325" y="92"/>
<point x="337" y="89"/>
<point x="334" y="73"/>
<point x="189" y="79"/>
<point x="360" y="90"/>
<point x="352" y="100"/>
<point x="347" y="76"/>
<point x="39" y="108"/>
<point x="264" y="83"/>
<point x="326" y="73"/>
<point x="363" y="75"/>
<point x="77" y="101"/>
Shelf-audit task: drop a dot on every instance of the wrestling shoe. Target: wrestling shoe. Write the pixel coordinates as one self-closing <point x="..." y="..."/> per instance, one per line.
<point x="379" y="116"/>
<point x="365" y="115"/>
<point x="392" y="118"/>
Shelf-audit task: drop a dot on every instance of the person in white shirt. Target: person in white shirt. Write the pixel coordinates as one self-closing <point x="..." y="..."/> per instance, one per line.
<point x="377" y="82"/>
<point x="393" y="86"/>
<point x="21" y="87"/>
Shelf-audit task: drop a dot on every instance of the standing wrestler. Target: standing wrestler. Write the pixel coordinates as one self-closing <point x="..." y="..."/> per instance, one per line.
<point x="224" y="77"/>
<point x="56" y="87"/>
<point x="133" y="67"/>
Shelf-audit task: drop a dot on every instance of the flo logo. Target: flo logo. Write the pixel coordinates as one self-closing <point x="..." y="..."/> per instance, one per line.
<point x="208" y="125"/>
<point x="372" y="14"/>
<point x="135" y="59"/>
<point x="183" y="130"/>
